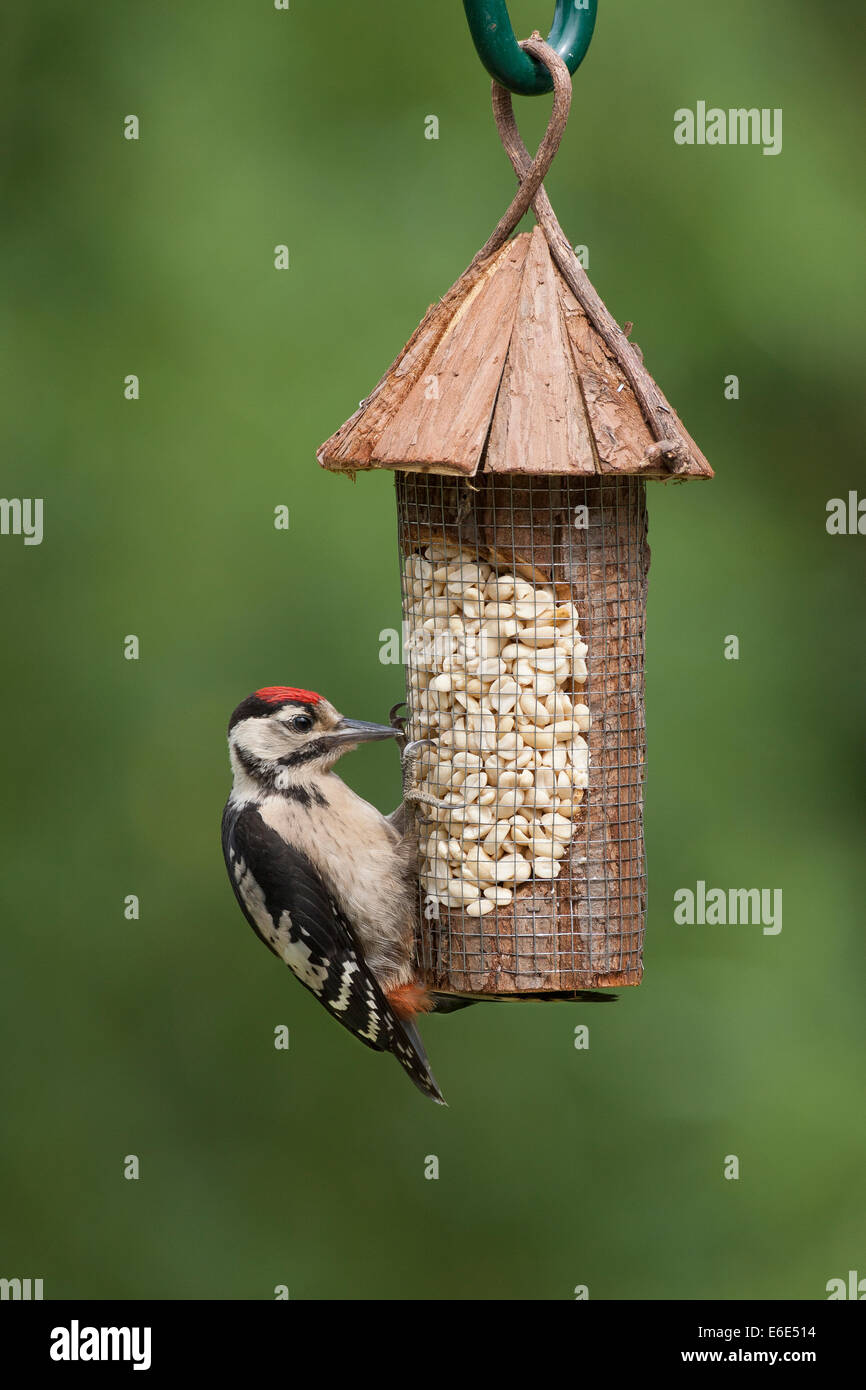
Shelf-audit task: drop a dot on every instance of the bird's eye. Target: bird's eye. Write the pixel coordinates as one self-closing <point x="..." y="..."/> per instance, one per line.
<point x="301" y="722"/>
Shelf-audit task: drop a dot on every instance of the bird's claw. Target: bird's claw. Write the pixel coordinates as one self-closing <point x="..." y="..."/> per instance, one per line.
<point x="410" y="750"/>
<point x="416" y="798"/>
<point x="409" y="756"/>
<point x="399" y="722"/>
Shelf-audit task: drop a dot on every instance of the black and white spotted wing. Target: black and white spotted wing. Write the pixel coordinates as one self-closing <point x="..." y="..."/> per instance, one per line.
<point x="289" y="906"/>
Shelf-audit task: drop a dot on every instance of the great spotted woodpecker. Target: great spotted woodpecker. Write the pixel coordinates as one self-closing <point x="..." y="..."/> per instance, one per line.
<point x="325" y="880"/>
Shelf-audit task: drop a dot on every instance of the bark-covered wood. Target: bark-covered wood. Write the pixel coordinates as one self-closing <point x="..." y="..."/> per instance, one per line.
<point x="508" y="367"/>
<point x="550" y="370"/>
<point x="540" y="423"/>
<point x="357" y="444"/>
<point x="444" y="420"/>
<point x="672" y="447"/>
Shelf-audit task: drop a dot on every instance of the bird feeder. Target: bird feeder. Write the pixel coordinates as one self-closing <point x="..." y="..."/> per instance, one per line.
<point x="522" y="427"/>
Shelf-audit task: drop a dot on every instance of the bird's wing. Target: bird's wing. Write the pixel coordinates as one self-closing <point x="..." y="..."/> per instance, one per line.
<point x="289" y="906"/>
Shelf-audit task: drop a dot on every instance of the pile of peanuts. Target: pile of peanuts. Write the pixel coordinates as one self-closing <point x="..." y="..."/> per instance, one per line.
<point x="490" y="659"/>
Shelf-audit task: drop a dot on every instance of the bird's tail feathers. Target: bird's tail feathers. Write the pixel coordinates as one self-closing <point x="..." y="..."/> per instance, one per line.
<point x="408" y="1048"/>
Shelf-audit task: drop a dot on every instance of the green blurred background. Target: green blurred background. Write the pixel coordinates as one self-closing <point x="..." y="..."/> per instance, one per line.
<point x="306" y="1168"/>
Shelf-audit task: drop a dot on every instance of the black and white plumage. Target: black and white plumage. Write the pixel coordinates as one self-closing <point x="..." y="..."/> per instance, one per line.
<point x="324" y="879"/>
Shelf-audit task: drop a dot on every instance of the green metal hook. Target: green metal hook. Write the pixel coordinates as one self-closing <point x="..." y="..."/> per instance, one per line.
<point x="505" y="60"/>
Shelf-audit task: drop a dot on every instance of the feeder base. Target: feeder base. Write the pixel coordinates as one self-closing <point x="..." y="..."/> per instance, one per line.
<point x="576" y="996"/>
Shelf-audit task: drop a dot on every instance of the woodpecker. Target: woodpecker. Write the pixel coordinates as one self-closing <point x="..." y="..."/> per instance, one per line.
<point x="325" y="879"/>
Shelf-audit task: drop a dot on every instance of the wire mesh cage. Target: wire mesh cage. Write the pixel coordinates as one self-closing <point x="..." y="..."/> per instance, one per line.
<point x="524" y="602"/>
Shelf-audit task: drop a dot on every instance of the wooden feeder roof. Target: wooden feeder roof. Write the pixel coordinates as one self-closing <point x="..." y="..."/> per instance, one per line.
<point x="507" y="374"/>
<point x="520" y="368"/>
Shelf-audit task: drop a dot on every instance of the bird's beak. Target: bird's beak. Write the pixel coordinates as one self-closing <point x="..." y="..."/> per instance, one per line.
<point x="352" y="731"/>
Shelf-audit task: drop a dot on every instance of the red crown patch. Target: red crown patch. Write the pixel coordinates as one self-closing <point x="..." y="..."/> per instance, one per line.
<point x="280" y="694"/>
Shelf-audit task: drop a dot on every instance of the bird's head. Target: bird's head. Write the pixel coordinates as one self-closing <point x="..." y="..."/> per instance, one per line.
<point x="280" y="736"/>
